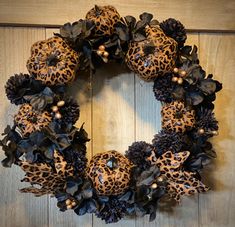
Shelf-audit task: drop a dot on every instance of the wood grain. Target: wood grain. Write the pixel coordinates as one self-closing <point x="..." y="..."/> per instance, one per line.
<point x="217" y="54"/>
<point x="197" y="15"/>
<point x="16" y="209"/>
<point x="117" y="109"/>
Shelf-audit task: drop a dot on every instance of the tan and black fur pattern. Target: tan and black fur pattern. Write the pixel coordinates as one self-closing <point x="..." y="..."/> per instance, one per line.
<point x="42" y="174"/>
<point x="179" y="181"/>
<point x="159" y="61"/>
<point x="104" y="17"/>
<point x="176" y="117"/>
<point x="65" y="63"/>
<point x="108" y="181"/>
<point x="29" y="120"/>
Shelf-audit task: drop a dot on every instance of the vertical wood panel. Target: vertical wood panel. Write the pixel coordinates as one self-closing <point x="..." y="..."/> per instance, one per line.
<point x="113" y="115"/>
<point x="148" y="123"/>
<point x="81" y="91"/>
<point x="217" y="54"/>
<point x="200" y="14"/>
<point x="17" y="209"/>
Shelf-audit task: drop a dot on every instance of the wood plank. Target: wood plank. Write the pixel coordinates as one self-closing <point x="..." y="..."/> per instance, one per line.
<point x="197" y="15"/>
<point x="217" y="54"/>
<point x="81" y="91"/>
<point x="148" y="123"/>
<point x="17" y="209"/>
<point x="113" y="115"/>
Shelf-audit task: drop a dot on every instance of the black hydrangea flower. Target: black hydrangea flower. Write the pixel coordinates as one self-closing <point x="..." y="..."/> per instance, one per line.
<point x="128" y="29"/>
<point x="77" y="32"/>
<point x="168" y="141"/>
<point x="147" y="191"/>
<point x="197" y="89"/>
<point x="138" y="153"/>
<point x="9" y="145"/>
<point x="174" y="29"/>
<point x="163" y="87"/>
<point x="206" y="120"/>
<point x="112" y="211"/>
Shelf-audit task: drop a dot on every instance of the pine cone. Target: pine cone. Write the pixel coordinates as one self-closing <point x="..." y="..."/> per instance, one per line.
<point x="174" y="29"/>
<point x="15" y="86"/>
<point x="168" y="141"/>
<point x="69" y="111"/>
<point x="112" y="211"/>
<point x="163" y="88"/>
<point x="138" y="153"/>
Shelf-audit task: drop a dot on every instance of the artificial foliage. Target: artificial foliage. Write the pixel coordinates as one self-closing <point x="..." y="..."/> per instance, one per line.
<point x="45" y="143"/>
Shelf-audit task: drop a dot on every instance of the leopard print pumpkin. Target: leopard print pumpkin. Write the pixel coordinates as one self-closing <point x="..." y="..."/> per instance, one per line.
<point x="110" y="173"/>
<point x="53" y="61"/>
<point x="29" y="120"/>
<point x="176" y="117"/>
<point x="152" y="57"/>
<point x="104" y="18"/>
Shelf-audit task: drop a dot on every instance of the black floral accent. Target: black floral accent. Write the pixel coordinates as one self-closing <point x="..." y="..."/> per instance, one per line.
<point x="163" y="88"/>
<point x="112" y="211"/>
<point x="138" y="153"/>
<point x="197" y="89"/>
<point x="206" y="120"/>
<point x="174" y="29"/>
<point x="168" y="141"/>
<point x="21" y="85"/>
<point x="70" y="111"/>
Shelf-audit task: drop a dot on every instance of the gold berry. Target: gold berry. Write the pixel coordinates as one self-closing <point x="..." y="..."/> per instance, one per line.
<point x="154" y="186"/>
<point x="176" y="70"/>
<point x="105" y="60"/>
<point x="101" y="47"/>
<point x="180" y="81"/>
<point x="159" y="179"/>
<point x="68" y="202"/>
<point x="183" y="73"/>
<point x="106" y="54"/>
<point x="58" y="115"/>
<point x="201" y="131"/>
<point x="215" y="133"/>
<point x="74" y="203"/>
<point x="61" y="103"/>
<point x="175" y="79"/>
<point x="55" y="108"/>
<point x="69" y="207"/>
<point x="99" y="52"/>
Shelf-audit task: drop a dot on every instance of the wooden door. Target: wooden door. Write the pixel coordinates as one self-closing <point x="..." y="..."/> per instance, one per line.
<point x="118" y="108"/>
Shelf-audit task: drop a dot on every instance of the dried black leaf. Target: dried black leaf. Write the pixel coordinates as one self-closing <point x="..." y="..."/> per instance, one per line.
<point x="146" y="17"/>
<point x="207" y="86"/>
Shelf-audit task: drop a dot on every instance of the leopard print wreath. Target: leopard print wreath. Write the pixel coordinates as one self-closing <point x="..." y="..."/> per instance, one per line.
<point x="51" y="150"/>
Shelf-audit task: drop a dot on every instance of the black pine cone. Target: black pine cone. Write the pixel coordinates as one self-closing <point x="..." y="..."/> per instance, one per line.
<point x="15" y="87"/>
<point x="168" y="141"/>
<point x="163" y="88"/>
<point x="174" y="29"/>
<point x="70" y="111"/>
<point x="112" y="211"/>
<point x="138" y="153"/>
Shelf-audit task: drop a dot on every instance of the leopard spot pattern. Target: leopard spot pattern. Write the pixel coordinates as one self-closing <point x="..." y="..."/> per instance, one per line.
<point x="53" y="61"/>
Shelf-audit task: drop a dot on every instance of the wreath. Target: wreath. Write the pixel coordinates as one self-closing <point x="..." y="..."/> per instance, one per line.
<point x="47" y="146"/>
